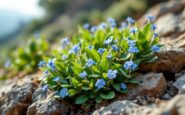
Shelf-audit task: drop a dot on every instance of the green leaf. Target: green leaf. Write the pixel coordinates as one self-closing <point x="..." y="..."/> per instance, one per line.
<point x="133" y="81"/>
<point x="72" y="92"/>
<point x="98" y="99"/>
<point x="146" y="29"/>
<point x="109" y="95"/>
<point x="125" y="56"/>
<point x="76" y="70"/>
<point x="152" y="59"/>
<point x="123" y="72"/>
<point x="93" y="54"/>
<point x="116" y="87"/>
<point x="81" y="99"/>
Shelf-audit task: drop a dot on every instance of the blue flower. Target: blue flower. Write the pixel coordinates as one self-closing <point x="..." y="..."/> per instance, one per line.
<point x="83" y="74"/>
<point x="56" y="79"/>
<point x="45" y="88"/>
<point x="123" y="86"/>
<point x="115" y="48"/>
<point x="100" y="83"/>
<point x="63" y="92"/>
<point x="112" y="74"/>
<point x="46" y="72"/>
<point x="133" y="30"/>
<point x="123" y="25"/>
<point x="133" y="49"/>
<point x="42" y="64"/>
<point x="90" y="47"/>
<point x="90" y="63"/>
<point x="130" y="65"/>
<point x="74" y="49"/>
<point x="7" y="63"/>
<point x="64" y="57"/>
<point x="51" y="64"/>
<point x="111" y="20"/>
<point x="93" y="29"/>
<point x="86" y="26"/>
<point x="153" y="27"/>
<point x="101" y="50"/>
<point x="150" y="18"/>
<point x="65" y="41"/>
<point x="130" y="20"/>
<point x="155" y="35"/>
<point x="103" y="25"/>
<point x="109" y="56"/>
<point x="113" y="25"/>
<point x="131" y="43"/>
<point x="108" y="41"/>
<point x="155" y="48"/>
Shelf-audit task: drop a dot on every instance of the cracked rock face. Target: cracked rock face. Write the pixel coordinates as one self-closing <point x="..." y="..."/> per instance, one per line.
<point x="49" y="106"/>
<point x="169" y="60"/>
<point x="17" y="99"/>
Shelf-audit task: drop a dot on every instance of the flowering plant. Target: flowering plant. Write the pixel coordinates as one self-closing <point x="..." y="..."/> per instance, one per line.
<point x="100" y="60"/>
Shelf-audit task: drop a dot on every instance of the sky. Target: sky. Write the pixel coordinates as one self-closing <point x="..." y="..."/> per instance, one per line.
<point x="26" y="7"/>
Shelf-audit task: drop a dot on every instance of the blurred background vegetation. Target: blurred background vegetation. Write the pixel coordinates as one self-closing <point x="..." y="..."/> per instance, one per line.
<point x="62" y="17"/>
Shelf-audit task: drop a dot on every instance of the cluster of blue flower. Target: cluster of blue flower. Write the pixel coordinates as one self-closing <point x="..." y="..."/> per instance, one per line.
<point x="110" y="42"/>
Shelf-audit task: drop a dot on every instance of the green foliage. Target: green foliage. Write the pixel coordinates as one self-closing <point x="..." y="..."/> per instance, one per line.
<point x="99" y="63"/>
<point x="26" y="59"/>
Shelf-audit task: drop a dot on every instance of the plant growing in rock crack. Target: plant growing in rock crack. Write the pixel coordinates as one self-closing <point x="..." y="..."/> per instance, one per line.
<point x="25" y="59"/>
<point x="100" y="60"/>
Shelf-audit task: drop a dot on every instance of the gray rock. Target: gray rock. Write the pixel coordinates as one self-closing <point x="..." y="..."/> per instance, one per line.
<point x="123" y="108"/>
<point x="180" y="82"/>
<point x="17" y="99"/>
<point x="48" y="106"/>
<point x="182" y="90"/>
<point x="176" y="106"/>
<point x="39" y="94"/>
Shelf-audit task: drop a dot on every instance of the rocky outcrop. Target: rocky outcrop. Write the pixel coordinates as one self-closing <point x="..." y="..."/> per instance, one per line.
<point x="48" y="106"/>
<point x="17" y="99"/>
<point x="169" y="60"/>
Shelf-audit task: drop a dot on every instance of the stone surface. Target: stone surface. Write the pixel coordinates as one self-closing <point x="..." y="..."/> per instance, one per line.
<point x="17" y="99"/>
<point x="124" y="108"/>
<point x="152" y="84"/>
<point x="39" y="94"/>
<point x="169" y="60"/>
<point x="164" y="8"/>
<point x="180" y="82"/>
<point x="176" y="106"/>
<point x="49" y="106"/>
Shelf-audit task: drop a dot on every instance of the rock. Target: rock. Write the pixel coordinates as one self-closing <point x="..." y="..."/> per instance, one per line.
<point x="176" y="106"/>
<point x="170" y="24"/>
<point x="169" y="60"/>
<point x="152" y="84"/>
<point x="17" y="99"/>
<point x="49" y="106"/>
<point x="123" y="108"/>
<point x="164" y="8"/>
<point x="182" y="90"/>
<point x="39" y="94"/>
<point x="180" y="82"/>
<point x="169" y="19"/>
<point x="166" y="96"/>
